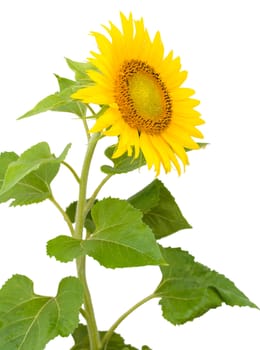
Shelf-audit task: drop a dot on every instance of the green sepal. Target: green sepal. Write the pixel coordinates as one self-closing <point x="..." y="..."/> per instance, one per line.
<point x="29" y="321"/>
<point x="31" y="160"/>
<point x="189" y="289"/>
<point x="160" y="210"/>
<point x="81" y="340"/>
<point x="122" y="164"/>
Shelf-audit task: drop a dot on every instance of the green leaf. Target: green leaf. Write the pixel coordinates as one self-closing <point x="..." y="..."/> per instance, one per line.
<point x="64" y="83"/>
<point x="68" y="104"/>
<point x="81" y="340"/>
<point x="5" y="159"/>
<point x="189" y="289"/>
<point x="29" y="321"/>
<point x="31" y="160"/>
<point x="122" y="164"/>
<point x="60" y="101"/>
<point x="65" y="248"/>
<point x="80" y="69"/>
<point x="72" y="106"/>
<point x="33" y="188"/>
<point x="121" y="239"/>
<point x="48" y="103"/>
<point x="160" y="211"/>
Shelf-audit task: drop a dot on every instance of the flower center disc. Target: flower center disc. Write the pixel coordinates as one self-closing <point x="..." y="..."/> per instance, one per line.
<point x="142" y="97"/>
<point x="146" y="96"/>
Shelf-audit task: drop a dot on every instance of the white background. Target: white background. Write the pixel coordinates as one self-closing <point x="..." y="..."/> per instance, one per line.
<point x="218" y="42"/>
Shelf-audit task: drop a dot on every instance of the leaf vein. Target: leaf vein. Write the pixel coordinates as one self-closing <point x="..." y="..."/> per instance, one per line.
<point x="35" y="319"/>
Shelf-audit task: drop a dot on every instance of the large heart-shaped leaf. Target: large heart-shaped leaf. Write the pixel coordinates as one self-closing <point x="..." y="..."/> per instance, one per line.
<point x="188" y="289"/>
<point x="29" y="321"/>
<point x="121" y="239"/>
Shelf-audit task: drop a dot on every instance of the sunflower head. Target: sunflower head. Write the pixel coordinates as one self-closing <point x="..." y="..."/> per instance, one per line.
<point x="148" y="109"/>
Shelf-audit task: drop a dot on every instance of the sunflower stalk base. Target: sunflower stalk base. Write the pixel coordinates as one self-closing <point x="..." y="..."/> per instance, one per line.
<point x="142" y="103"/>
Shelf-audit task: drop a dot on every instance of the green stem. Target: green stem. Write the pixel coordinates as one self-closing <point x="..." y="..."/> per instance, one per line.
<point x="86" y="128"/>
<point x="83" y="313"/>
<point x="79" y="227"/>
<point x="85" y="121"/>
<point x="91" y="110"/>
<point x="88" y="306"/>
<point x="67" y="165"/>
<point x="64" y="214"/>
<point x="111" y="330"/>
<point x="79" y="220"/>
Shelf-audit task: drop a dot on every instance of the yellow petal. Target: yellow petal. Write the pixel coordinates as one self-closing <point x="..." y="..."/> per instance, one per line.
<point x="109" y="117"/>
<point x="177" y="148"/>
<point x="181" y="137"/>
<point x="150" y="153"/>
<point x="93" y="94"/>
<point x="182" y="93"/>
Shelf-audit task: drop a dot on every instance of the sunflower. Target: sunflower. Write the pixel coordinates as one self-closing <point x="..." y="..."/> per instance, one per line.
<point x="148" y="109"/>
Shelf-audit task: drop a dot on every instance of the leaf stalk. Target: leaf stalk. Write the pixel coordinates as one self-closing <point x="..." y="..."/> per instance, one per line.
<point x="111" y="330"/>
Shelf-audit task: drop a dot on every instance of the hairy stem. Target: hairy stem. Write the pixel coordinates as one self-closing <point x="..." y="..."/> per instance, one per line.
<point x="111" y="330"/>
<point x="79" y="227"/>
